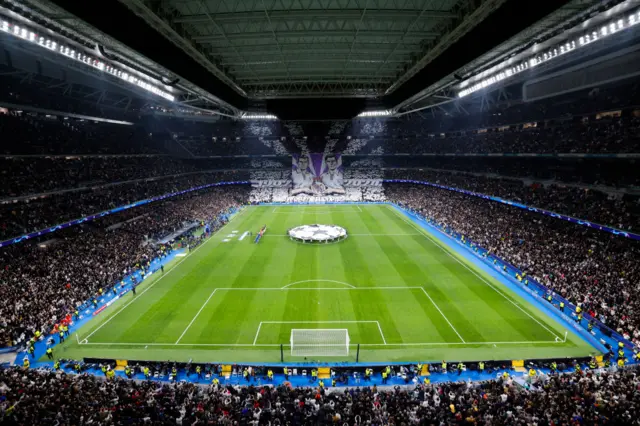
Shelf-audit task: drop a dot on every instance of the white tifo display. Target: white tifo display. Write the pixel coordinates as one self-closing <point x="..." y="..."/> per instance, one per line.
<point x="319" y="342"/>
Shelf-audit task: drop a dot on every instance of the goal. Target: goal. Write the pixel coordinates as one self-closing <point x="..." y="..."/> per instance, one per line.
<point x="319" y="342"/>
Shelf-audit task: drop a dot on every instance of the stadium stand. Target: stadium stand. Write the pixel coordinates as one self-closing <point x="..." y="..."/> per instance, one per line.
<point x="73" y="265"/>
<point x="64" y="157"/>
<point x="593" y="397"/>
<point x="41" y="135"/>
<point x="18" y="217"/>
<point x="564" y="135"/>
<point x="617" y="209"/>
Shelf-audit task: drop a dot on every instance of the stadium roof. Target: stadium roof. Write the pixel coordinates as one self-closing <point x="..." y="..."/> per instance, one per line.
<point x="240" y="55"/>
<point x="292" y="48"/>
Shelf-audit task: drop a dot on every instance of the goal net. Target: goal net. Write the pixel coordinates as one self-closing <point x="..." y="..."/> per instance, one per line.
<point x="319" y="342"/>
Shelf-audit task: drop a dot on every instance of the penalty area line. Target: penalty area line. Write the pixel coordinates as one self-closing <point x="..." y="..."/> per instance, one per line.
<point x="257" y="333"/>
<point x="196" y="315"/>
<point x="443" y="315"/>
<point x="381" y="333"/>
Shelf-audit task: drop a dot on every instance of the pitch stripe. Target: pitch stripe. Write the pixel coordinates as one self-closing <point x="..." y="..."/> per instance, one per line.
<point x="443" y="315"/>
<point x="475" y="273"/>
<point x="159" y="279"/>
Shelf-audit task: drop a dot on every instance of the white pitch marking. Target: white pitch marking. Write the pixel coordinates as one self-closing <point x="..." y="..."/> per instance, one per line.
<point x="381" y="333"/>
<point x="196" y="316"/>
<point x="474" y="272"/>
<point x="257" y="333"/>
<point x="312" y="281"/>
<point x="464" y="343"/>
<point x="317" y="322"/>
<point x="443" y="315"/>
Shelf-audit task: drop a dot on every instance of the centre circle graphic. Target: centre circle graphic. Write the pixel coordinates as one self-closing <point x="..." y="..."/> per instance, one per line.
<point x="317" y="233"/>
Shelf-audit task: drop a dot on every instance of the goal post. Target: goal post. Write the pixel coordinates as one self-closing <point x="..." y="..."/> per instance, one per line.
<point x="319" y="342"/>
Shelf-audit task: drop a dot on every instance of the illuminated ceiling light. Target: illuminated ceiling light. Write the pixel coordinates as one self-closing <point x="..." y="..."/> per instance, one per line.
<point x="552" y="53"/>
<point x="69" y="52"/>
<point x="381" y="113"/>
<point x="247" y="116"/>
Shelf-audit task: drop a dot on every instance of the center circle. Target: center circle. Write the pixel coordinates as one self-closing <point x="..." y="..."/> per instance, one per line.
<point x="317" y="233"/>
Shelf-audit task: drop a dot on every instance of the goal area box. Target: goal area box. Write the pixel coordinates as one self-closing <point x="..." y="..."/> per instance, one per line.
<point x="319" y="342"/>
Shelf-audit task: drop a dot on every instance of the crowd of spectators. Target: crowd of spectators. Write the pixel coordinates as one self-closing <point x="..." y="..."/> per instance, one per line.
<point x="608" y="135"/>
<point x="598" y="270"/>
<point x="32" y="175"/>
<point x="587" y="398"/>
<point x="157" y="221"/>
<point x="54" y="135"/>
<point x="616" y="210"/>
<point x="22" y="217"/>
<point x="616" y="173"/>
<point x="43" y="284"/>
<point x="205" y="146"/>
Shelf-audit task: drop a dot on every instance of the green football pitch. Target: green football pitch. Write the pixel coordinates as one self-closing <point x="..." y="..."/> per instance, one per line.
<point x="402" y="295"/>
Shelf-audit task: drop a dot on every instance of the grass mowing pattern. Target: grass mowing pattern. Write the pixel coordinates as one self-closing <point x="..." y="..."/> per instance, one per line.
<point x="400" y="294"/>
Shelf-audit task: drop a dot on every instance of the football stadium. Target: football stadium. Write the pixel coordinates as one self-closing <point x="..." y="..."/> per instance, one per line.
<point x="257" y="212"/>
<point x="390" y="288"/>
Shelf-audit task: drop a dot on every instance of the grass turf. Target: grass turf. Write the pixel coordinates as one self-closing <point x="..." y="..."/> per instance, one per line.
<point x="401" y="293"/>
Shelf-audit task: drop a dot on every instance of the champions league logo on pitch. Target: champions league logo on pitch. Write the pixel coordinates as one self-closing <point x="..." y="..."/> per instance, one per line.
<point x="317" y="174"/>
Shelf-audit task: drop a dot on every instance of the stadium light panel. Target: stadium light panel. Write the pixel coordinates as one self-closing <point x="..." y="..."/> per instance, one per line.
<point x="68" y="51"/>
<point x="566" y="47"/>
<point x="381" y="113"/>
<point x="247" y="116"/>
